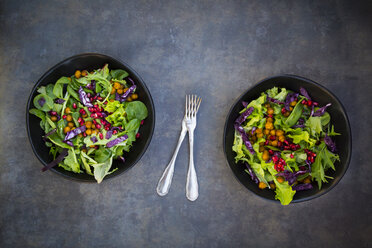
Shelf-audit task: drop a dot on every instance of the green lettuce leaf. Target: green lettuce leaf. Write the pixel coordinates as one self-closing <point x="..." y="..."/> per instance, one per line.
<point x="102" y="169"/>
<point x="284" y="192"/>
<point x="71" y="161"/>
<point x="299" y="135"/>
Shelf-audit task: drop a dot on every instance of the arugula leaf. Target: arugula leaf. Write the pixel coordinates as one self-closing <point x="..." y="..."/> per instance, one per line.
<point x="101" y="170"/>
<point x="323" y="161"/>
<point x="332" y="132"/>
<point x="71" y="161"/>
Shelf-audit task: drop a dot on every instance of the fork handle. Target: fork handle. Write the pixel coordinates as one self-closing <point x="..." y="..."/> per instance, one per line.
<point x="166" y="179"/>
<point x="192" y="187"/>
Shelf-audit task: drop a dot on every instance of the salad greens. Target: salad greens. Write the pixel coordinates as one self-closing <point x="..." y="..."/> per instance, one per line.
<point x="89" y="119"/>
<point x="284" y="140"/>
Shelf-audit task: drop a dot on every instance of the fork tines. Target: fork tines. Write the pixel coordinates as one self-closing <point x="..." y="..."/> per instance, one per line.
<point x="192" y="105"/>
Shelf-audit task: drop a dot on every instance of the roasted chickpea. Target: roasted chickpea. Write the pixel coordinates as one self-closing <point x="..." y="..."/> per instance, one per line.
<point x="280" y="179"/>
<point x="68" y="110"/>
<point x="88" y="124"/>
<point x="259" y="135"/>
<point x="70" y="124"/>
<point x="113" y="90"/>
<point x="269" y="120"/>
<point x="262" y="185"/>
<point x="85" y="115"/>
<point x="84" y="73"/>
<point x="66" y="129"/>
<point x="281" y="138"/>
<point x="286" y="114"/>
<point x="94" y="131"/>
<point x="266" y="131"/>
<point x="84" y="150"/>
<point x="54" y="118"/>
<point x="270" y="111"/>
<point x="88" y="131"/>
<point x="120" y="91"/>
<point x="125" y="90"/>
<point x="134" y="96"/>
<point x="272" y="132"/>
<point x="279" y="132"/>
<point x="290" y="108"/>
<point x="77" y="74"/>
<point x="122" y="86"/>
<point x="116" y="85"/>
<point x="129" y="99"/>
<point x="307" y="180"/>
<point x="80" y="135"/>
<point x="272" y="185"/>
<point x="293" y="103"/>
<point x="69" y="118"/>
<point x="267" y="105"/>
<point x="261" y="149"/>
<point x="93" y="126"/>
<point x="112" y="100"/>
<point x="265" y="155"/>
<point x="274" y="143"/>
<point x="73" y="128"/>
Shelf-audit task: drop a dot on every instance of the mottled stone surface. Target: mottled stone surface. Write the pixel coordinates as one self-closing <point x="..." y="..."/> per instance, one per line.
<point x="217" y="49"/>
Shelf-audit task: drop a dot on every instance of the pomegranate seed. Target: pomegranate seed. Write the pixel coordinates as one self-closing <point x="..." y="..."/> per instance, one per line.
<point x="91" y="99"/>
<point x="100" y="135"/>
<point x="286" y="147"/>
<point x="99" y="114"/>
<point x="91" y="109"/>
<point x="271" y="152"/>
<point x="74" y="105"/>
<point x="105" y="103"/>
<point x="270" y="116"/>
<point x="64" y="116"/>
<point x="314" y="154"/>
<point x="280" y="144"/>
<point x="95" y="105"/>
<point x="309" y="103"/>
<point x="286" y="142"/>
<point x="114" y="132"/>
<point x="315" y="104"/>
<point x="94" y="115"/>
<point x="94" y="122"/>
<point x="312" y="160"/>
<point x="99" y="98"/>
<point x="143" y="121"/>
<point x="283" y="110"/>
<point x="275" y="159"/>
<point x="137" y="135"/>
<point x="85" y="134"/>
<point x="303" y="102"/>
<point x="272" y="137"/>
<point x="98" y="126"/>
<point x="107" y="128"/>
<point x="266" y="142"/>
<point x="80" y="119"/>
<point x="53" y="113"/>
<point x="95" y="97"/>
<point x="291" y="155"/>
<point x="101" y="109"/>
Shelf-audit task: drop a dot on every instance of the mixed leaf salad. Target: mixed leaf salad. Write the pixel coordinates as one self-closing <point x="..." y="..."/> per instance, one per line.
<point x="90" y="119"/>
<point x="284" y="140"/>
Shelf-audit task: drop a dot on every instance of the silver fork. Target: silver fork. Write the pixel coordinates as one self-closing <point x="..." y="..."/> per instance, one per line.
<point x="166" y="179"/>
<point x="192" y="107"/>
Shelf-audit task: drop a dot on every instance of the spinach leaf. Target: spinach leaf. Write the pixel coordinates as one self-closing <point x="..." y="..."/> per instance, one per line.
<point x="72" y="92"/>
<point x="43" y="102"/>
<point x="119" y="74"/>
<point x="132" y="125"/>
<point x="38" y="113"/>
<point x="136" y="110"/>
<point x="58" y="87"/>
<point x="295" y="115"/>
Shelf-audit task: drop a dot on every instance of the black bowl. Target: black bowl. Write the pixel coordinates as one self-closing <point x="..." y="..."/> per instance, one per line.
<point x="90" y="61"/>
<point x="319" y="94"/>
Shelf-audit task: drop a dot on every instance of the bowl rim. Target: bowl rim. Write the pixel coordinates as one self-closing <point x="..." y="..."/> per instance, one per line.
<point x="29" y="101"/>
<point x="347" y="161"/>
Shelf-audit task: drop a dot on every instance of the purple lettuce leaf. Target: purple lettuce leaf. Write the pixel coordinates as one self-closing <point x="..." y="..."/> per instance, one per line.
<point x="251" y="173"/>
<point x="330" y="143"/>
<point x="253" y="130"/>
<point x="49" y="133"/>
<point x="69" y="143"/>
<point x="127" y="93"/>
<point x="291" y="177"/>
<point x="116" y="141"/>
<point x="71" y="134"/>
<point x="117" y="97"/>
<point x="59" y="159"/>
<point x="246" y="141"/>
<point x="290" y="98"/>
<point x="304" y="93"/>
<point x="93" y="139"/>
<point x="304" y="186"/>
<point x="84" y="98"/>
<point x="131" y="80"/>
<point x="59" y="101"/>
<point x="270" y="99"/>
<point x="41" y="101"/>
<point x="122" y="158"/>
<point x="244" y="116"/>
<point x="245" y="104"/>
<point x="108" y="134"/>
<point x="301" y="123"/>
<point x="312" y="110"/>
<point x="321" y="110"/>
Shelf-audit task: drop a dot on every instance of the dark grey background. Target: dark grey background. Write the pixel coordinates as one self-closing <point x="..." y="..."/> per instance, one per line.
<point x="213" y="48"/>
